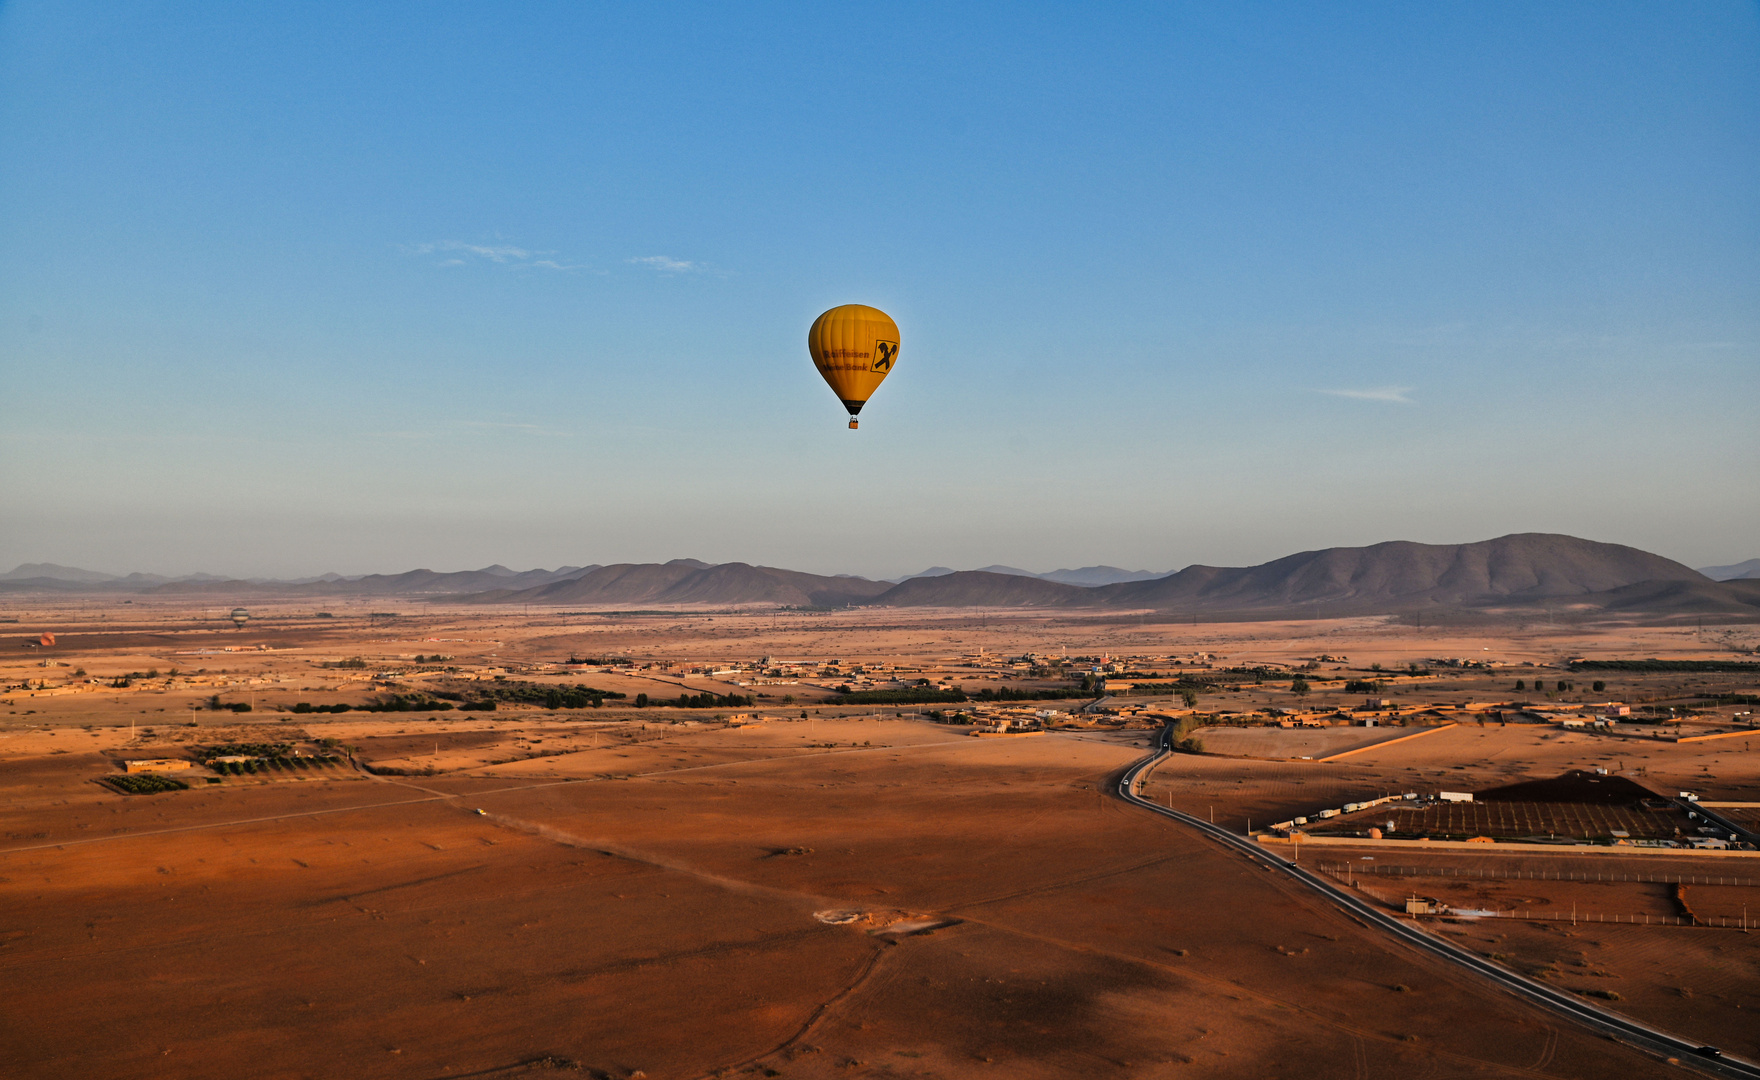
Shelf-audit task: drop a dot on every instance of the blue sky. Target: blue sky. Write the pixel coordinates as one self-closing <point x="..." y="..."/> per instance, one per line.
<point x="288" y="289"/>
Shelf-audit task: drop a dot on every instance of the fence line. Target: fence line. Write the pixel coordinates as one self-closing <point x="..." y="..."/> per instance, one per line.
<point x="1346" y="873"/>
<point x="1535" y="875"/>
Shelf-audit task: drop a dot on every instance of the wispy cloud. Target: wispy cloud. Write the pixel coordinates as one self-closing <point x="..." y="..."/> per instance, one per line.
<point x="459" y="253"/>
<point x="1396" y="395"/>
<point x="668" y="265"/>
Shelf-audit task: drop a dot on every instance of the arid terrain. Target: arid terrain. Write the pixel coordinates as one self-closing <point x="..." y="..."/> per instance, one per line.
<point x="793" y="887"/>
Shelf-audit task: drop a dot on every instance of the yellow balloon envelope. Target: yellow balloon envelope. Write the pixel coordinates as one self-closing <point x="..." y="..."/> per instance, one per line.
<point x="854" y="348"/>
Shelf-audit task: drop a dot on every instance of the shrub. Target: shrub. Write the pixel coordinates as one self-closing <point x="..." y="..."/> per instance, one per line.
<point x="1598" y="686"/>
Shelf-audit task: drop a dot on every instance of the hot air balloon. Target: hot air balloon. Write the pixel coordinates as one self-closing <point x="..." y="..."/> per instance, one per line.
<point x="854" y="347"/>
<point x="239" y="617"/>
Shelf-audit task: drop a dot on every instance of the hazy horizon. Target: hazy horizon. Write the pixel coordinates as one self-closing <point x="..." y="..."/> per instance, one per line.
<point x="553" y="566"/>
<point x="330" y="289"/>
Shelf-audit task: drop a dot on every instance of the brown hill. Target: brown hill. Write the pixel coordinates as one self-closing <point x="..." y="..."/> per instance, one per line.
<point x="686" y="581"/>
<point x="619" y="583"/>
<point x="1517" y="570"/>
<point x="409" y="583"/>
<point x="1681" y="597"/>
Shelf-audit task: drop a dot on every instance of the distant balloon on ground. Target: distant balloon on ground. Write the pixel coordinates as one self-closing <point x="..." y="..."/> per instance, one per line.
<point x="854" y="347"/>
<point x="46" y="639"/>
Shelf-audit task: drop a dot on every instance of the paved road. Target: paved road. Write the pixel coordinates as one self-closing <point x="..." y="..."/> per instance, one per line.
<point x="1567" y="1005"/>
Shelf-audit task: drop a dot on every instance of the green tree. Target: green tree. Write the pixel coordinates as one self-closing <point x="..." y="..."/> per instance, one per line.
<point x="1299" y="686"/>
<point x="1190" y="697"/>
<point x="1520" y="686"/>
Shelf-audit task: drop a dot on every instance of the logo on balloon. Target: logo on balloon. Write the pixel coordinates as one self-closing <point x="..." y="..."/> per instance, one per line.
<point x="884" y="353"/>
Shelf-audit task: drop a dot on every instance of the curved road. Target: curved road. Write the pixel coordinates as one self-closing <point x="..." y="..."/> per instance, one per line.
<point x="1689" y="1053"/>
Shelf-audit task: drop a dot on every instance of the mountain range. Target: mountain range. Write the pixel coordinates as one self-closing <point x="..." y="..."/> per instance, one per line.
<point x="1087" y="575"/>
<point x="1739" y="571"/>
<point x="49" y="577"/>
<point x="1522" y="571"/>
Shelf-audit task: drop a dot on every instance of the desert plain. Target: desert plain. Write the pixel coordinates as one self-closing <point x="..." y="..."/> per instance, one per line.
<point x="793" y="887"/>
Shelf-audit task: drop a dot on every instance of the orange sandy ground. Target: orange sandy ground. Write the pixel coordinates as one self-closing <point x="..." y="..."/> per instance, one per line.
<point x="666" y="924"/>
<point x="646" y="900"/>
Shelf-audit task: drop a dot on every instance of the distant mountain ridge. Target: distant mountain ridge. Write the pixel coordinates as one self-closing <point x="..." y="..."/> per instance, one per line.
<point x="1737" y="572"/>
<point x="1087" y="575"/>
<point x="1523" y="570"/>
<point x="1101" y="575"/>
<point x="55" y="572"/>
<point x="48" y="577"/>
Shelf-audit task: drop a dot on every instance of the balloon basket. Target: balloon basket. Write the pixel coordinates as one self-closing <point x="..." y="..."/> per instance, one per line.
<point x="852" y="423"/>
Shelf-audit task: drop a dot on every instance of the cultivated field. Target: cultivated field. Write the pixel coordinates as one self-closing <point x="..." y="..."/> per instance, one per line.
<point x="851" y="893"/>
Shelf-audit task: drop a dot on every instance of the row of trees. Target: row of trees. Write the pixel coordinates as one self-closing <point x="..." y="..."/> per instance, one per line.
<point x="145" y="783"/>
<point x="579" y="696"/>
<point x="281" y="764"/>
<point x="697" y="701"/>
<point x="262" y="750"/>
<point x="1563" y="685"/>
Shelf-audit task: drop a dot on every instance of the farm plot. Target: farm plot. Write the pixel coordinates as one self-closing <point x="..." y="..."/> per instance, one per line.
<point x="1573" y="821"/>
